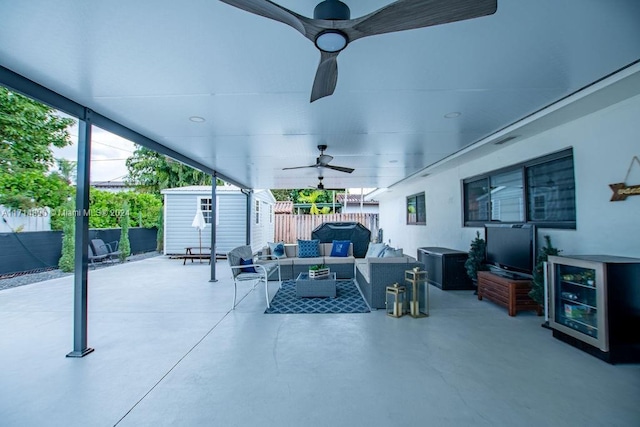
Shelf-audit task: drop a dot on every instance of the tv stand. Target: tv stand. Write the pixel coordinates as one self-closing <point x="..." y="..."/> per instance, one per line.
<point x="510" y="293"/>
<point x="508" y="275"/>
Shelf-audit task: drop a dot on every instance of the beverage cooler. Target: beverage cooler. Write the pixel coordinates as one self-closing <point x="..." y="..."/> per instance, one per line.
<point x="595" y="304"/>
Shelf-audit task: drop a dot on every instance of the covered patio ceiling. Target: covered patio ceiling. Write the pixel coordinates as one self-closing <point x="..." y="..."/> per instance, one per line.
<point x="156" y="66"/>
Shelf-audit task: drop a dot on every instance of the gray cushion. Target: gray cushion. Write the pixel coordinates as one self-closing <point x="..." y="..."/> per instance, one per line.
<point x="392" y="253"/>
<point x="375" y="249"/>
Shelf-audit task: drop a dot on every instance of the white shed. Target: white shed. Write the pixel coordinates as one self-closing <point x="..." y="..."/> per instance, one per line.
<point x="181" y="205"/>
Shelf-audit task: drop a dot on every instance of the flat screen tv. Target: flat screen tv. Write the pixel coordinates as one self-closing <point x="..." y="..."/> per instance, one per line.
<point x="511" y="247"/>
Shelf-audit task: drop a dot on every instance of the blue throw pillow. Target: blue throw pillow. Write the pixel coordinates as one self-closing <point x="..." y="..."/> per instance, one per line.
<point x="277" y="250"/>
<point x="247" y="269"/>
<point x="308" y="248"/>
<point x="340" y="248"/>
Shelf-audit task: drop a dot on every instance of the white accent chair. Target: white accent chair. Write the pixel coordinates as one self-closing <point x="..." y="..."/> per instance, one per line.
<point x="263" y="269"/>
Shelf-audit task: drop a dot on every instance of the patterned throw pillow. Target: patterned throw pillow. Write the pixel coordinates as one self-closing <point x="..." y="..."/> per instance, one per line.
<point x="277" y="249"/>
<point x="247" y="269"/>
<point x="340" y="248"/>
<point x="308" y="248"/>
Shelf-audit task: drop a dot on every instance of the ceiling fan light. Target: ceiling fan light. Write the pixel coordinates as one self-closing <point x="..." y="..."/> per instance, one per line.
<point x="331" y="41"/>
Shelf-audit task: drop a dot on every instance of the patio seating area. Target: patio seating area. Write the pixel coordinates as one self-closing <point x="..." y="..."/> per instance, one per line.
<point x="170" y="351"/>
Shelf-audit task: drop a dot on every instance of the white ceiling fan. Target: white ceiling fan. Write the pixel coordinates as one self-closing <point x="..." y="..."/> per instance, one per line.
<point x="331" y="28"/>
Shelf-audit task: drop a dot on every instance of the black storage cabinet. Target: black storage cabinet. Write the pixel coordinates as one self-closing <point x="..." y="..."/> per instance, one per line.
<point x="445" y="268"/>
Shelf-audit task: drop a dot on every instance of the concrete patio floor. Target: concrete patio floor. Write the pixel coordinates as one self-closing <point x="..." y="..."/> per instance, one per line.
<point x="168" y="351"/>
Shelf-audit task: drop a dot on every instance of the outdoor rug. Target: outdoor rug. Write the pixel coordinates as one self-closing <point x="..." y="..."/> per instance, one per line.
<point x="348" y="300"/>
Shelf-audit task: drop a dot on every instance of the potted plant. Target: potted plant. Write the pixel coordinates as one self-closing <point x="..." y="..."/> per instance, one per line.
<point x="537" y="284"/>
<point x="318" y="270"/>
<point x="475" y="262"/>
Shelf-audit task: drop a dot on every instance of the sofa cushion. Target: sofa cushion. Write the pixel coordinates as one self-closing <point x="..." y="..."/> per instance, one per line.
<point x="390" y="252"/>
<point x="277" y="249"/>
<point x="308" y="248"/>
<point x="340" y="248"/>
<point x="329" y="260"/>
<point x="375" y="250"/>
<point x="291" y="249"/>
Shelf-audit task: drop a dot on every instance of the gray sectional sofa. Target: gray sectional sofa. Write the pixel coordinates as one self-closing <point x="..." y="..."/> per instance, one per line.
<point x="292" y="264"/>
<point x="374" y="274"/>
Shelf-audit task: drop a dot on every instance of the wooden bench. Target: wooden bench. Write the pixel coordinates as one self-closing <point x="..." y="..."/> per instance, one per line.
<point x="510" y="293"/>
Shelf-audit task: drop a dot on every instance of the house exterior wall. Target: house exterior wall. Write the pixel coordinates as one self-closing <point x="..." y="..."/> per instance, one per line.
<point x="355" y="208"/>
<point x="604" y="144"/>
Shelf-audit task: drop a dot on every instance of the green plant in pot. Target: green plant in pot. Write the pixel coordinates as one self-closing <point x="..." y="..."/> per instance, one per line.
<point x="475" y="262"/>
<point x="537" y="284"/>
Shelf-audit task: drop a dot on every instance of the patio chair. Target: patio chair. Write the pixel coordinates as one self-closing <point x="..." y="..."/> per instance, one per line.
<point x="93" y="258"/>
<point x="242" y="259"/>
<point x="108" y="250"/>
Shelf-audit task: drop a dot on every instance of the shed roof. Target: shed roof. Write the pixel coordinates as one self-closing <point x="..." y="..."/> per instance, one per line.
<point x="355" y="199"/>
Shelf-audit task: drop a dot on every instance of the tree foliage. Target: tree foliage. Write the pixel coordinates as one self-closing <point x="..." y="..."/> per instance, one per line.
<point x="152" y="172"/>
<point x="28" y="132"/>
<point x="107" y="210"/>
<point x="313" y="197"/>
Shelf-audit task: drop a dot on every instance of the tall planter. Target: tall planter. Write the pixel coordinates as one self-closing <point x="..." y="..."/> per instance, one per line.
<point x="67" y="260"/>
<point x="537" y="284"/>
<point x="124" y="246"/>
<point x="475" y="262"/>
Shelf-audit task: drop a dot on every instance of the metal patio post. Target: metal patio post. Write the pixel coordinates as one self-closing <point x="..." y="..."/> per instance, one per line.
<point x="81" y="266"/>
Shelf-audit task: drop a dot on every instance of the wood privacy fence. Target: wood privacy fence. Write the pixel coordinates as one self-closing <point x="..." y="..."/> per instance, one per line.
<point x="289" y="228"/>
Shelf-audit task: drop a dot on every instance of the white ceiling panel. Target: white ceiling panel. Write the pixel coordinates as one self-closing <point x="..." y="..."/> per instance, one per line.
<point x="151" y="65"/>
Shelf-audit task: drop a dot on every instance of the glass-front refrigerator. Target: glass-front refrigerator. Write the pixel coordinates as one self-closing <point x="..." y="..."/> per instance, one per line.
<point x="595" y="304"/>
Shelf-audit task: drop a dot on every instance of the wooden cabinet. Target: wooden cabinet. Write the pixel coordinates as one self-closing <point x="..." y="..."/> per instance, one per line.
<point x="508" y="292"/>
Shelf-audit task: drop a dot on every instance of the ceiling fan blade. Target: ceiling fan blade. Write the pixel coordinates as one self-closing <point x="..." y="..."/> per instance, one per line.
<point x="301" y="167"/>
<point x="273" y="11"/>
<point x="339" y="168"/>
<point x="326" y="76"/>
<point x="409" y="14"/>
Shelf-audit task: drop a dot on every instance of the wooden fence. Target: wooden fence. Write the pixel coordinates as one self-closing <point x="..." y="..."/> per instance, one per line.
<point x="290" y="228"/>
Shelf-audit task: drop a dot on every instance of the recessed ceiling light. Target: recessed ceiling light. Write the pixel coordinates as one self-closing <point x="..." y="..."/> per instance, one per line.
<point x="197" y="119"/>
<point x="452" y="115"/>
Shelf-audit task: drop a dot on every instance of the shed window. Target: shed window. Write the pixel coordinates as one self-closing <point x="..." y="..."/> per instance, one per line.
<point x="205" y="207"/>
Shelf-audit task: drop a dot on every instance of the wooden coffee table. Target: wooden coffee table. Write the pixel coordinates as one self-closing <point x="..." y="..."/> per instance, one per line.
<point x="323" y="287"/>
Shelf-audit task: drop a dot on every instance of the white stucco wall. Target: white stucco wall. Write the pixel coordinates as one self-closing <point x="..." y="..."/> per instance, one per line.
<point x="604" y="143"/>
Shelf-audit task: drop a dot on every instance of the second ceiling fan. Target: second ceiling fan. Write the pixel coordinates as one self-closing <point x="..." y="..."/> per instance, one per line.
<point x="322" y="161"/>
<point x="331" y="28"/>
